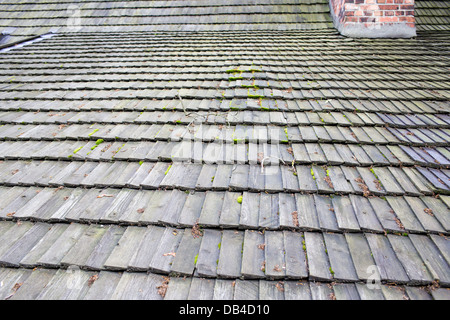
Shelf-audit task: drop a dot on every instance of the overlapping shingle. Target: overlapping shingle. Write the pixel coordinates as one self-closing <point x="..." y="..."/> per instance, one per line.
<point x="239" y="162"/>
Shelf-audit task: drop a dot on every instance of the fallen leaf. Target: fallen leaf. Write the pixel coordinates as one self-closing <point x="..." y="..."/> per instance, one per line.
<point x="105" y="196"/>
<point x="92" y="280"/>
<point x="169" y="254"/>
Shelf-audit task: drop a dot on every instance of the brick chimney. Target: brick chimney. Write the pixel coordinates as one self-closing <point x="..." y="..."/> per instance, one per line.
<point x="374" y="18"/>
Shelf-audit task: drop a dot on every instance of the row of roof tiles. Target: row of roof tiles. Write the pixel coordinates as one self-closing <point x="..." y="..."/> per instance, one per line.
<point x="242" y="88"/>
<point x="241" y="93"/>
<point x="412" y="259"/>
<point x="227" y="209"/>
<point x="74" y="284"/>
<point x="365" y="112"/>
<point x="229" y="150"/>
<point x="239" y="119"/>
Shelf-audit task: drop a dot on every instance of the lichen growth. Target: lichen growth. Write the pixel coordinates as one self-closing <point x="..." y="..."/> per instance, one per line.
<point x="95" y="130"/>
<point x="77" y="149"/>
<point x="312" y="174"/>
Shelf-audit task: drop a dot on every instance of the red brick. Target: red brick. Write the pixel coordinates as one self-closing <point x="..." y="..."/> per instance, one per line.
<point x="368" y="13"/>
<point x="407" y="7"/>
<point x="389" y="19"/>
<point x="349" y="13"/>
<point x="351" y="19"/>
<point x="371" y="7"/>
<point x="388" y="7"/>
<point x="409" y="13"/>
<point x="366" y="19"/>
<point x="350" y="6"/>
<point x="381" y="1"/>
<point x="389" y="13"/>
<point x="399" y="13"/>
<point x="406" y="19"/>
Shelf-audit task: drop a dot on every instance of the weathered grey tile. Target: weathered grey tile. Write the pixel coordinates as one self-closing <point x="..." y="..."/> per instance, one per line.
<point x="271" y="290"/>
<point x="306" y="179"/>
<point x="410" y="259"/>
<point x="165" y="253"/>
<point x="93" y="212"/>
<point x="387" y="262"/>
<point x="298" y="290"/>
<point x="362" y="258"/>
<point x="306" y="212"/>
<point x="103" y="287"/>
<point x="138" y="286"/>
<point x="201" y="289"/>
<point x="230" y="257"/>
<point x="253" y="259"/>
<point x="192" y="208"/>
<point x="345" y="216"/>
<point x="443" y="245"/>
<point x="430" y="255"/>
<point x="346" y="291"/>
<point x="250" y="210"/>
<point x="156" y="175"/>
<point x="367" y="218"/>
<point x="385" y="214"/>
<point x="394" y="292"/>
<point x="71" y="284"/>
<point x="208" y="255"/>
<point x="18" y="202"/>
<point x="104" y="247"/>
<point x="295" y="255"/>
<point x="124" y="250"/>
<point x="319" y="266"/>
<point x="231" y="210"/>
<point x="342" y="267"/>
<point x="178" y="288"/>
<point x="321" y="291"/>
<point x="223" y="290"/>
<point x="246" y="290"/>
<point x="369" y="293"/>
<point x="440" y="294"/>
<point x="83" y="248"/>
<point x="17" y="250"/>
<point x="211" y="210"/>
<point x="406" y="216"/>
<point x="417" y="293"/>
<point x="239" y="177"/>
<point x="275" y="264"/>
<point x="33" y="285"/>
<point x="187" y="252"/>
<point x="424" y="214"/>
<point x="268" y="211"/>
<point x="171" y="212"/>
<point x="31" y="258"/>
<point x="156" y="207"/>
<point x="439" y="210"/>
<point x="325" y="213"/>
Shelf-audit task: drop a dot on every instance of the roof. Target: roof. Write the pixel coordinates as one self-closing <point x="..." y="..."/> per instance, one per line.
<point x="28" y="18"/>
<point x="240" y="162"/>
